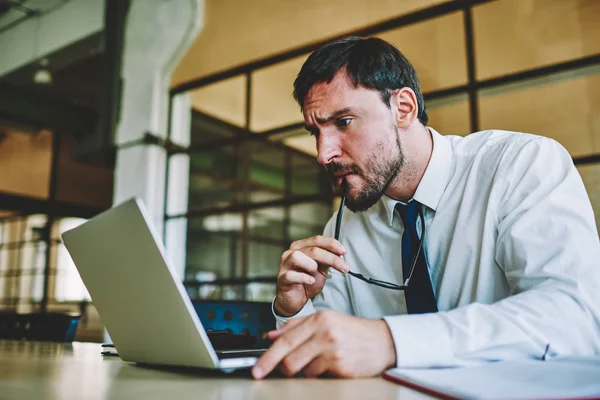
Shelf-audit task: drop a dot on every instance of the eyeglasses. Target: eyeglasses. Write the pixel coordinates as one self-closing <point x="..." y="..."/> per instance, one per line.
<point x="377" y="282"/>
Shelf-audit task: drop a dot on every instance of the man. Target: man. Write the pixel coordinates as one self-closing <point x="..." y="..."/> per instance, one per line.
<point x="495" y="231"/>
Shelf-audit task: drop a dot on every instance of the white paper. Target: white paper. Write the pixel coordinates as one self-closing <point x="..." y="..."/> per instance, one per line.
<point x="519" y="379"/>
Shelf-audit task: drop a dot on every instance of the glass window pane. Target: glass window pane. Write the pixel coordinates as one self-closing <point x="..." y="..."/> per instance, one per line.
<point x="35" y="225"/>
<point x="303" y="142"/>
<point x="267" y="171"/>
<point x="232" y="292"/>
<point x="436" y="48"/>
<point x="218" y="291"/>
<point x="213" y="178"/>
<point x="565" y="107"/>
<point x="260" y="291"/>
<point x="68" y="286"/>
<point x="308" y="176"/>
<point x="12" y="230"/>
<point x="217" y="176"/>
<point x="271" y="95"/>
<point x="9" y="244"/>
<point x="513" y="35"/>
<point x="263" y="259"/>
<point x="206" y="129"/>
<point x="175" y="243"/>
<point x="450" y="116"/>
<point x="591" y="179"/>
<point x="212" y="247"/>
<point x="308" y="219"/>
<point x="30" y="281"/>
<point x="225" y="100"/>
<point x="4" y="260"/>
<point x="268" y="223"/>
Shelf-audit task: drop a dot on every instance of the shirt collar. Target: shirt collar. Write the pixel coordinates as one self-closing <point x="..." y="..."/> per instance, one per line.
<point x="434" y="181"/>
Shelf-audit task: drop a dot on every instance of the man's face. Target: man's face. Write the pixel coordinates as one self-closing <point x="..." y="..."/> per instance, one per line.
<point x="357" y="139"/>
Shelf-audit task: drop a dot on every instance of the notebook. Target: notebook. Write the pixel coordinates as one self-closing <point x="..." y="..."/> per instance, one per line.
<point x="556" y="378"/>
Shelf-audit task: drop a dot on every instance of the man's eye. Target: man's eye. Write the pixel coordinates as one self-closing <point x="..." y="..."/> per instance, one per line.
<point x="343" y="122"/>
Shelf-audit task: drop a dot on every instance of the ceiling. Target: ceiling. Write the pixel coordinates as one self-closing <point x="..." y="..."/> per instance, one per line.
<point x="77" y="73"/>
<point x="13" y="12"/>
<point x="236" y="31"/>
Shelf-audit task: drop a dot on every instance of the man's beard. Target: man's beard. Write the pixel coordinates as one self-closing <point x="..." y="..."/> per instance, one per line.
<point x="379" y="175"/>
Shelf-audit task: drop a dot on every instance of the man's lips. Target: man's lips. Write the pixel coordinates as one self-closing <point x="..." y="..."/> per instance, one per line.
<point x="342" y="174"/>
<point x="339" y="178"/>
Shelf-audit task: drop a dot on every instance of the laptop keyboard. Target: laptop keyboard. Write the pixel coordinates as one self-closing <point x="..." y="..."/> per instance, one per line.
<point x="240" y="353"/>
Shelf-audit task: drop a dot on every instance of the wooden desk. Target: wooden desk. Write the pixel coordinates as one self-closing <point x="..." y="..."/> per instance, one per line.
<point x="63" y="371"/>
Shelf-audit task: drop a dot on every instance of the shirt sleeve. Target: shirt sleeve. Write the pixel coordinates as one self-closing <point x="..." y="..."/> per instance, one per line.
<point x="548" y="248"/>
<point x="334" y="295"/>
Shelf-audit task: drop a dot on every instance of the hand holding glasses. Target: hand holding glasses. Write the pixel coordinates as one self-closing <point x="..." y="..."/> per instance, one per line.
<point x="384" y="284"/>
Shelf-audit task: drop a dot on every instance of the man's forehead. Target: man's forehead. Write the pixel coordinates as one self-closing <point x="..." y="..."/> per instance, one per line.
<point x="341" y="81"/>
<point x="332" y="94"/>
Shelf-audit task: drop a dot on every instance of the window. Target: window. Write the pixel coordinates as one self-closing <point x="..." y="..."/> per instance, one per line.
<point x="255" y="185"/>
<point x="69" y="286"/>
<point x="24" y="250"/>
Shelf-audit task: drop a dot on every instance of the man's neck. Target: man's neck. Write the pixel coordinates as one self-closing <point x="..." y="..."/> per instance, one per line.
<point x="417" y="146"/>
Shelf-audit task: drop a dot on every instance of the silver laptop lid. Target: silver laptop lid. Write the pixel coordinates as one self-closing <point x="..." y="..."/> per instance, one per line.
<point x="142" y="303"/>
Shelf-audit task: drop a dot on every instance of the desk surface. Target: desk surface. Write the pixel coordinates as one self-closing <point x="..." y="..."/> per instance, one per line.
<point x="78" y="371"/>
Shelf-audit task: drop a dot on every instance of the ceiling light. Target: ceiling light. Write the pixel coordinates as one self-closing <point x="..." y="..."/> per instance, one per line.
<point x="43" y="76"/>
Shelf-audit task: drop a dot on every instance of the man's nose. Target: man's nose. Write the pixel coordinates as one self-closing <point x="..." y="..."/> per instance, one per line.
<point x="328" y="149"/>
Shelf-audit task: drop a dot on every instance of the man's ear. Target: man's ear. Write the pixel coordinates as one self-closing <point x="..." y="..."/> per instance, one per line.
<point x="405" y="106"/>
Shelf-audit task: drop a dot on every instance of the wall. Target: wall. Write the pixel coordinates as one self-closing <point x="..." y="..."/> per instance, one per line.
<point x="236" y="32"/>
<point x="80" y="182"/>
<point x="25" y="163"/>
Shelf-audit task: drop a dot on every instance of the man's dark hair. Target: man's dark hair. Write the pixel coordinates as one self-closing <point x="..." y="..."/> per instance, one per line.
<point x="370" y="62"/>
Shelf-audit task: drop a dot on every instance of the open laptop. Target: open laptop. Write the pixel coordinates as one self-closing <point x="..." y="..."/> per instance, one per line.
<point x="141" y="301"/>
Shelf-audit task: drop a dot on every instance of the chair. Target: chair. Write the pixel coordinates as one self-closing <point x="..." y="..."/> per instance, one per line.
<point x="46" y="327"/>
<point x="235" y="324"/>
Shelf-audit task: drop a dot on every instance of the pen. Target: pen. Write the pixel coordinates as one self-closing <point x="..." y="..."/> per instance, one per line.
<point x="338" y="221"/>
<point x="546" y="352"/>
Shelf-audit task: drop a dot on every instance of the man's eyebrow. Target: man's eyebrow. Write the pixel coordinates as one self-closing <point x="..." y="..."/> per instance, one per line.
<point x="329" y="118"/>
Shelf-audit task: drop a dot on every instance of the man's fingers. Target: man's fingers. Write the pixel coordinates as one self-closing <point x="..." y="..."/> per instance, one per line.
<point x="296" y="277"/>
<point x="308" y="260"/>
<point x="298" y="260"/>
<point x="276" y="333"/>
<point x="285" y="344"/>
<point x="316" y="367"/>
<point x="324" y="257"/>
<point x="323" y="242"/>
<point x="301" y="356"/>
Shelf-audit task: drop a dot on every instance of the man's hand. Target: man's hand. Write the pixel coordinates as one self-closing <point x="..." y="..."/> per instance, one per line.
<point x="303" y="271"/>
<point x="329" y="342"/>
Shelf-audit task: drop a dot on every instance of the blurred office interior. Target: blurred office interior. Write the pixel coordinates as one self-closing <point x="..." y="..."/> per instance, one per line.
<point x="187" y="104"/>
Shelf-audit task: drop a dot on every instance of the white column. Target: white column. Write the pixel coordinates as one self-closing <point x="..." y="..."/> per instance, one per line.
<point x="158" y="33"/>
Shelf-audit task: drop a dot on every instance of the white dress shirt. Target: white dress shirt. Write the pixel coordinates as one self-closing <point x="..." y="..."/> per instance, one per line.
<point x="512" y="250"/>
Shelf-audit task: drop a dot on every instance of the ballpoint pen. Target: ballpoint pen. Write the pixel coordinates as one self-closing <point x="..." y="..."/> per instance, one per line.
<point x="338" y="222"/>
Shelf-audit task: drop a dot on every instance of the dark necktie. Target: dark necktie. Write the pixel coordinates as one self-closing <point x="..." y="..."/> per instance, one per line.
<point x="419" y="293"/>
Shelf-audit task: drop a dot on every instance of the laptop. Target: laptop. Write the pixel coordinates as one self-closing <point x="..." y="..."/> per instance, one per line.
<point x="139" y="298"/>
